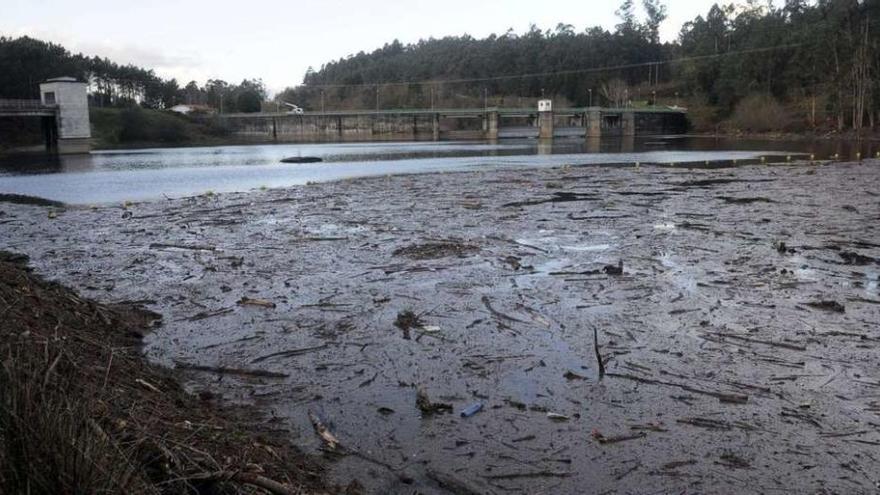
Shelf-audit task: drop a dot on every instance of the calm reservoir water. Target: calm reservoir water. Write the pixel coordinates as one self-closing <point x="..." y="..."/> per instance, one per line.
<point x="146" y="174"/>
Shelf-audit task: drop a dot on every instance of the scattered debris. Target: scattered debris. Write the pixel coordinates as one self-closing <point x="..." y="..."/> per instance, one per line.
<point x="570" y="375"/>
<point x="705" y="311"/>
<point x="710" y="423"/>
<point x="729" y="459"/>
<point x="853" y="258"/>
<point x="406" y="321"/>
<point x="744" y="201"/>
<point x="289" y="353"/>
<point x="832" y="306"/>
<point x="321" y="429"/>
<point x="436" y="250"/>
<point x="598" y="354"/>
<point x="162" y="245"/>
<point x="599" y="437"/>
<point x="209" y="314"/>
<point x="429" y="408"/>
<point x="782" y="248"/>
<point x="471" y="409"/>
<point x="496" y="313"/>
<point x="614" y="270"/>
<point x="721" y="396"/>
<point x="229" y="371"/>
<point x="247" y="301"/>
<point x="302" y="159"/>
<point x="536" y="474"/>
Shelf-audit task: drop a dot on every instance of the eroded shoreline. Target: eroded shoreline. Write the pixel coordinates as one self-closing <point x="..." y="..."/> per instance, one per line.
<point x="728" y="366"/>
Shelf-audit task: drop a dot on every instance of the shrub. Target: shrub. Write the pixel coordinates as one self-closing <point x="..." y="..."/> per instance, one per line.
<point x="145" y="126"/>
<point x="760" y="113"/>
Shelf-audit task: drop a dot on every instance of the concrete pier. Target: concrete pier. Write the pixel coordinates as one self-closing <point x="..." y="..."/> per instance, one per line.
<point x="593" y="122"/>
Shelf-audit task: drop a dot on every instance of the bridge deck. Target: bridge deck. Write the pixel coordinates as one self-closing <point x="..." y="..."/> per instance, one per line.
<point x="459" y="112"/>
<point x="26" y="108"/>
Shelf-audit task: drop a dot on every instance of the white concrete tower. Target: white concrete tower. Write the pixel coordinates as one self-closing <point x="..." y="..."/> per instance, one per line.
<point x="70" y="97"/>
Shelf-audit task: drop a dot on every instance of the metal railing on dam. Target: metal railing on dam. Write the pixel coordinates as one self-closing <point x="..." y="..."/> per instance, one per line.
<point x="16" y="107"/>
<point x="451" y="124"/>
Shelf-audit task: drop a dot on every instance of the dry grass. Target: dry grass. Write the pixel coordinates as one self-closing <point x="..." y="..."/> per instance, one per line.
<point x="81" y="412"/>
<point x="51" y="442"/>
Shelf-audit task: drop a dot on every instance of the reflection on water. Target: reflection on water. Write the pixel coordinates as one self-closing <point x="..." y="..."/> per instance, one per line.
<point x="109" y="176"/>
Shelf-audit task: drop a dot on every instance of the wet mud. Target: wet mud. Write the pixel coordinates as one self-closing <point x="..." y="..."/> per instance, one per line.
<point x="443" y="333"/>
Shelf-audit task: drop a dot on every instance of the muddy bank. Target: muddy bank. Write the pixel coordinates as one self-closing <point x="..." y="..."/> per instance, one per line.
<point x="739" y="335"/>
<point x="82" y="412"/>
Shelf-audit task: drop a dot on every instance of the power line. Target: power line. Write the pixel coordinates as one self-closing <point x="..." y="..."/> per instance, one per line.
<point x="555" y="73"/>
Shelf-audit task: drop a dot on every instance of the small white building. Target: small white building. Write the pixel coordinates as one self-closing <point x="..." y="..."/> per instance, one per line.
<point x="70" y="97"/>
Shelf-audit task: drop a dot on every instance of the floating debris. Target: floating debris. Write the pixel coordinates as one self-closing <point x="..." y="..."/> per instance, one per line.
<point x="471" y="410"/>
<point x="429" y="408"/>
<point x="832" y="306"/>
<point x="247" y="301"/>
<point x="302" y="159"/>
<point x="436" y="250"/>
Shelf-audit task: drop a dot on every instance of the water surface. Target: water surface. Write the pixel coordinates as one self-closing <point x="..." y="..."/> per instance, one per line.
<point x="147" y="174"/>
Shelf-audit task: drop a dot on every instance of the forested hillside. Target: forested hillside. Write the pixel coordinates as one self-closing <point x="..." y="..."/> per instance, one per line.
<point x="797" y="66"/>
<point x="25" y="62"/>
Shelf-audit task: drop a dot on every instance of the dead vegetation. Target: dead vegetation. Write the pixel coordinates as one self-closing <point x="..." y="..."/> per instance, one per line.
<point x="82" y="412"/>
<point x="436" y="250"/>
<point x="714" y="358"/>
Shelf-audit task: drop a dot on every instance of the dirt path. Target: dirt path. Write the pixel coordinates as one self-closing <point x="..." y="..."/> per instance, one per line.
<point x="732" y="362"/>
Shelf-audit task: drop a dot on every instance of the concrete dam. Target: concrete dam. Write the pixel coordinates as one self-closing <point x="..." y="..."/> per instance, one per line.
<point x="453" y="124"/>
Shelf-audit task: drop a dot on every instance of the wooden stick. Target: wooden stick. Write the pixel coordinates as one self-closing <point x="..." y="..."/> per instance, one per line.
<point x="229" y="371"/>
<point x="254" y="479"/>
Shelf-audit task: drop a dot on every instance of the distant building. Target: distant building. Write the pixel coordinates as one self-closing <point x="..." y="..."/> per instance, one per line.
<point x="188" y="109"/>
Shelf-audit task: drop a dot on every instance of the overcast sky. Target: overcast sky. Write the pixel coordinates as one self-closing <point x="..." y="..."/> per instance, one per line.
<point x="277" y="40"/>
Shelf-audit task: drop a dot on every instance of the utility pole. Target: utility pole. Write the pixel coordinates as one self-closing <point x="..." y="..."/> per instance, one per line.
<point x="322" y="101"/>
<point x="591" y="96"/>
<point x="377" y="97"/>
<point x="432" y="97"/>
<point x="485" y="100"/>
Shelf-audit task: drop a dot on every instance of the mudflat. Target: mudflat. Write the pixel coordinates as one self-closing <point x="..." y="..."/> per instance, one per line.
<point x="735" y="312"/>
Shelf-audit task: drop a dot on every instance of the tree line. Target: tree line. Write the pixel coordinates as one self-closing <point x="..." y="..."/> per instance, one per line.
<point x="25" y="62"/>
<point x="798" y="65"/>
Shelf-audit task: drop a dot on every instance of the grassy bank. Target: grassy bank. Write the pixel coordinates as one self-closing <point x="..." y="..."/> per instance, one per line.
<point x="81" y="411"/>
<point x="135" y="127"/>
